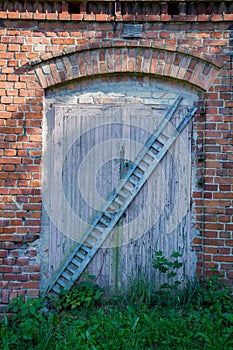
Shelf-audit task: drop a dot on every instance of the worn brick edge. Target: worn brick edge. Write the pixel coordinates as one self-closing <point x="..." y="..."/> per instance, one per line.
<point x="126" y="60"/>
<point x="98" y="44"/>
<point x="65" y="16"/>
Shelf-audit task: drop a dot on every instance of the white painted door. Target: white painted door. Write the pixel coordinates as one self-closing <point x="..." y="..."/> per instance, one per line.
<point x="87" y="149"/>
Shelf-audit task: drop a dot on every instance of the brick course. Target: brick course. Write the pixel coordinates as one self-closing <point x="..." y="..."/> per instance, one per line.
<point x="43" y="45"/>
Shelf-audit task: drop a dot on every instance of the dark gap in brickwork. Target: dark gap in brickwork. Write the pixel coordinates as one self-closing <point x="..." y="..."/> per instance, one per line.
<point x="173" y="8"/>
<point x="74" y="7"/>
<point x="94" y="8"/>
<point x="31" y="6"/>
<point x="123" y="8"/>
<point x="127" y="8"/>
<point x="139" y="8"/>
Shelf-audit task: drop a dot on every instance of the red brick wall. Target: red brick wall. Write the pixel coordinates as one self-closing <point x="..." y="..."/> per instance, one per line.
<point x="45" y="44"/>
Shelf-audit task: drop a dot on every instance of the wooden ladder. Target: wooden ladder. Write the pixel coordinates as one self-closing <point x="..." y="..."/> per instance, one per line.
<point x="118" y="201"/>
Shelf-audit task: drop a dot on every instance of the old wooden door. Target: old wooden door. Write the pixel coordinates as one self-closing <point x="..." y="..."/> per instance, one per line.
<point x="88" y="148"/>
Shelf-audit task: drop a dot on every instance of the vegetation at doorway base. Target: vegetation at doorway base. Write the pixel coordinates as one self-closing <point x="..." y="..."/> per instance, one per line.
<point x="198" y="316"/>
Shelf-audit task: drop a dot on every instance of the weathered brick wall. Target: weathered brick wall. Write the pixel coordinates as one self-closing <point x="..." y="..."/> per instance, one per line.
<point x="46" y="44"/>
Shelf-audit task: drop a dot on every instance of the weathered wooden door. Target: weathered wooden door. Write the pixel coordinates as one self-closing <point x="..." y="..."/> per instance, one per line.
<point x="87" y="150"/>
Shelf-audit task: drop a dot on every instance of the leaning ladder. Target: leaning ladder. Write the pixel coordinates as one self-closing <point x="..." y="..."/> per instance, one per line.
<point x="118" y="201"/>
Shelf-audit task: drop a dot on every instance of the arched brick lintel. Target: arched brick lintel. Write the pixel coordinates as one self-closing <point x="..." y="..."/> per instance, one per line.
<point x="126" y="60"/>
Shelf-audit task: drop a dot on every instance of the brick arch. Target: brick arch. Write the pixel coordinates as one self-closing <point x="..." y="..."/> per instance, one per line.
<point x="111" y="60"/>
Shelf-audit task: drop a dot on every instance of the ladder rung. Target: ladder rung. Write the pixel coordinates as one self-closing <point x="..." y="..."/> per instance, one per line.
<point x="140" y="171"/>
<point x="160" y="141"/>
<point x="93" y="235"/>
<point x="113" y="207"/>
<point x="108" y="215"/>
<point x="80" y="255"/>
<point x="92" y="238"/>
<point x="56" y="289"/>
<point x="154" y="150"/>
<point x="138" y="174"/>
<point x="141" y="166"/>
<point x="117" y="200"/>
<point x="61" y="282"/>
<point x="85" y="248"/>
<point x="156" y="147"/>
<point x="99" y="228"/>
<point x="123" y="194"/>
<point x="69" y="268"/>
<point x="104" y="222"/>
<point x="89" y="243"/>
<point x="107" y="218"/>
<point x="92" y="242"/>
<point x="147" y="162"/>
<point x="66" y="276"/>
<point x="148" y="159"/>
<point x="133" y="181"/>
<point x="151" y="154"/>
<point x="128" y="187"/>
<point x="165" y="135"/>
<point x="78" y="262"/>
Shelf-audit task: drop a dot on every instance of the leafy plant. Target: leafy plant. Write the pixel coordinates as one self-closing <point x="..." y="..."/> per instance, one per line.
<point x="83" y="295"/>
<point x="168" y="268"/>
<point x="28" y="319"/>
<point x="22" y="309"/>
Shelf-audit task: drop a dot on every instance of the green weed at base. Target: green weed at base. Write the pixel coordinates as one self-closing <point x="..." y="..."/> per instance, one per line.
<point x="198" y="316"/>
<point x="201" y="321"/>
<point x="83" y="295"/>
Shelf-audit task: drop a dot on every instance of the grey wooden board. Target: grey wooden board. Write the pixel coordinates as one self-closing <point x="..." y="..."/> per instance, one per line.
<point x="132" y="30"/>
<point x="76" y="131"/>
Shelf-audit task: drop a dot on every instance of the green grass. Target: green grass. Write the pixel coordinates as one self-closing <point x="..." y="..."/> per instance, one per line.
<point x="199" y="317"/>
